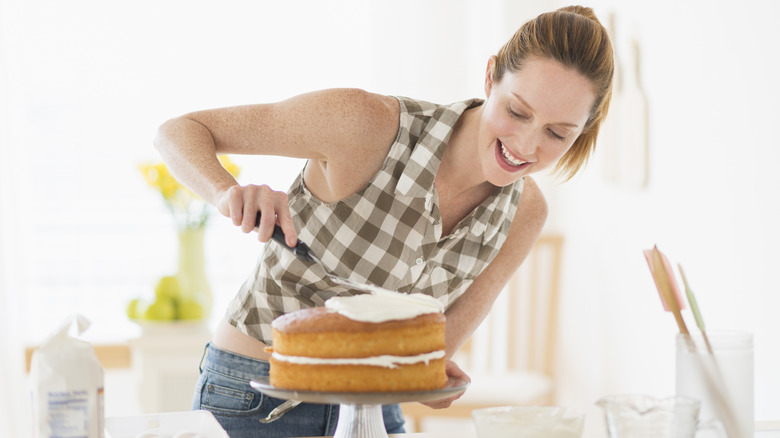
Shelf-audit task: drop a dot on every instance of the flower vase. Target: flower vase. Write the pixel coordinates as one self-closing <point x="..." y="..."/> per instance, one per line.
<point x="192" y="268"/>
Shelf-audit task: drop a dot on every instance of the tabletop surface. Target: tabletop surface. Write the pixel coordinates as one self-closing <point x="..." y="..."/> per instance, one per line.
<point x="764" y="429"/>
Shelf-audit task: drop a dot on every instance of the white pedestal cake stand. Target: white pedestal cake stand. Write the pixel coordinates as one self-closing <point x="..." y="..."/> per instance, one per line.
<point x="360" y="414"/>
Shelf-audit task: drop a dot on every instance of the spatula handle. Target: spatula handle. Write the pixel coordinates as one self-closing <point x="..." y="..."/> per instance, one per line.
<point x="301" y="250"/>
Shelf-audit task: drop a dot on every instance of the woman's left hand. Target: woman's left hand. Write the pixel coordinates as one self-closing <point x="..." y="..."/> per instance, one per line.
<point x="454" y="373"/>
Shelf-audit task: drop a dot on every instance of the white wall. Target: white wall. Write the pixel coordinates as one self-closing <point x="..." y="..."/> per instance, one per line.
<point x="710" y="73"/>
<point x="13" y="413"/>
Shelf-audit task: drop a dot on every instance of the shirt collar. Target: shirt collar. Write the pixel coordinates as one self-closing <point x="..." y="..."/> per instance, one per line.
<point x="417" y="178"/>
<point x="420" y="171"/>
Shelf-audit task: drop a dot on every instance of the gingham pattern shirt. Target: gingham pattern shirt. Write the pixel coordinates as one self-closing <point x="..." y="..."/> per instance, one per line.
<point x="388" y="234"/>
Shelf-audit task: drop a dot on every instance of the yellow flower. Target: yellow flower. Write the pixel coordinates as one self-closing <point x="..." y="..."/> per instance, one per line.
<point x="229" y="165"/>
<point x="188" y="209"/>
<point x="149" y="173"/>
<point x="166" y="182"/>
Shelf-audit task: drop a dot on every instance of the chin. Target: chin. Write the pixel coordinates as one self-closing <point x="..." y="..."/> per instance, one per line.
<point x="500" y="178"/>
<point x="504" y="181"/>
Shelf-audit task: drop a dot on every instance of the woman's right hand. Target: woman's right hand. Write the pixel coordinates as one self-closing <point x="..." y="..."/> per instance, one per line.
<point x="242" y="204"/>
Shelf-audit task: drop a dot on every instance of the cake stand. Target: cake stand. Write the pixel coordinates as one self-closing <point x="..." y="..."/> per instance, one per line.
<point x="360" y="413"/>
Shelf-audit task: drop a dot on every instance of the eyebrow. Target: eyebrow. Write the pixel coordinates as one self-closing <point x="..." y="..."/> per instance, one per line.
<point x="520" y="98"/>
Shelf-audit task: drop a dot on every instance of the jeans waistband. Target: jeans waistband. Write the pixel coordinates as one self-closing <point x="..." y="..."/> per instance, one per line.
<point x="232" y="364"/>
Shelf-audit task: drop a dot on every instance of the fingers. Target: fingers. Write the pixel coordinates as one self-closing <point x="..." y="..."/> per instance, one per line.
<point x="442" y="404"/>
<point x="453" y="372"/>
<point x="284" y="219"/>
<point x="224" y="205"/>
<point x="243" y="205"/>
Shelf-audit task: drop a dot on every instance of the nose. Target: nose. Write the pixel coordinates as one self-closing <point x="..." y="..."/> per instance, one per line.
<point x="524" y="144"/>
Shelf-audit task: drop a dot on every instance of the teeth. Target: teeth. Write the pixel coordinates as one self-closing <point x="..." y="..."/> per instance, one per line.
<point x="509" y="157"/>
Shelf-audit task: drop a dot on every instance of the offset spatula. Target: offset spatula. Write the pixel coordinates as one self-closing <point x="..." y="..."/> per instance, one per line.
<point x="301" y="250"/>
<point x="304" y="253"/>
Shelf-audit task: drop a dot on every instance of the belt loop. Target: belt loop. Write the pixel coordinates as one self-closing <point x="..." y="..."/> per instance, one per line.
<point x="203" y="357"/>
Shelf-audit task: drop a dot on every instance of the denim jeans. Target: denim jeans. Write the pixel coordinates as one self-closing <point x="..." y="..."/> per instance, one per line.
<point x="223" y="389"/>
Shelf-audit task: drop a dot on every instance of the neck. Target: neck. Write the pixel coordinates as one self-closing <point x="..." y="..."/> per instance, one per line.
<point x="457" y="170"/>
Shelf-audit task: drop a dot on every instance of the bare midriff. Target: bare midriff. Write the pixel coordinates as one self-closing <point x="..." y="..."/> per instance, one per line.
<point x="229" y="338"/>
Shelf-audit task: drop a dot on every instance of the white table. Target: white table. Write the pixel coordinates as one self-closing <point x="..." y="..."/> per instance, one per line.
<point x="764" y="429"/>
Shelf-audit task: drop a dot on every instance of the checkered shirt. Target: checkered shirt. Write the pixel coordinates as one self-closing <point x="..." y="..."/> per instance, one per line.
<point x="388" y="234"/>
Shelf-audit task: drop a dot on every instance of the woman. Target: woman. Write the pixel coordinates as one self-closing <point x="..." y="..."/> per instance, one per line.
<point x="404" y="194"/>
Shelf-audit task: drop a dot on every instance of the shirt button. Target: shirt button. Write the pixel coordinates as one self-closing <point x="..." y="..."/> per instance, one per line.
<point x="419" y="260"/>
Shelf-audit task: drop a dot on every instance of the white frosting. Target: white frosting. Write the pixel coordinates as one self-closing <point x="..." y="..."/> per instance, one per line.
<point x="384" y="305"/>
<point x="385" y="361"/>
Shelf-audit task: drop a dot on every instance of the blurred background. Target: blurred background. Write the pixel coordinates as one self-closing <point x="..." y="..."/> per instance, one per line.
<point x="687" y="162"/>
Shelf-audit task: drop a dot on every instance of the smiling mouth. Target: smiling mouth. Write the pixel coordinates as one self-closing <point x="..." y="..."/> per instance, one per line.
<point x="510" y="159"/>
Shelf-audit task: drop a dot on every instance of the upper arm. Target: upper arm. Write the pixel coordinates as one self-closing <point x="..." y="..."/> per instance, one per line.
<point x="327" y="124"/>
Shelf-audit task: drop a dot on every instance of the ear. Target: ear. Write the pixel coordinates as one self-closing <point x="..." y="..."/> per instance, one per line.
<point x="491" y="64"/>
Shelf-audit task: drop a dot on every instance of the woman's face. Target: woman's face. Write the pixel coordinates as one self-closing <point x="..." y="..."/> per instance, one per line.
<point x="531" y="118"/>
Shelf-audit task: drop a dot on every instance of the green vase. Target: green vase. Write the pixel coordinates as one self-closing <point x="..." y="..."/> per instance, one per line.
<point x="192" y="268"/>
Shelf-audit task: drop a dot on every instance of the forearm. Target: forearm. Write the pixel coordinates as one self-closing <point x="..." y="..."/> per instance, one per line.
<point x="188" y="150"/>
<point x="465" y="315"/>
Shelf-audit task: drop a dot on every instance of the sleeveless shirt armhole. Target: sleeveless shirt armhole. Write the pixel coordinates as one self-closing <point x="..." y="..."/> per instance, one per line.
<point x="395" y="151"/>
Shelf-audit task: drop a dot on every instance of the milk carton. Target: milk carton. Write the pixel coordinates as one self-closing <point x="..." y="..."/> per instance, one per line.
<point x="67" y="386"/>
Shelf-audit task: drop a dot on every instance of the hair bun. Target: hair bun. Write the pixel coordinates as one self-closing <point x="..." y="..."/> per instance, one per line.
<point x="581" y="10"/>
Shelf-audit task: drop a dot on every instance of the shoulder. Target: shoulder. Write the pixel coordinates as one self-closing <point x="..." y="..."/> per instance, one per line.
<point x="348" y="120"/>
<point x="528" y="221"/>
<point x="350" y="107"/>
<point x="351" y="101"/>
<point x="533" y="205"/>
<point x="360" y="101"/>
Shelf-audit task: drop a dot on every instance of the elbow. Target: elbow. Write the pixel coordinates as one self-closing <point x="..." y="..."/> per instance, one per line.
<point x="162" y="138"/>
<point x="179" y="131"/>
<point x="183" y="132"/>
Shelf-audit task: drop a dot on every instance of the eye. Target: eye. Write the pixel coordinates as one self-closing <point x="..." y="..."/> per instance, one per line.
<point x="515" y="114"/>
<point x="556" y="136"/>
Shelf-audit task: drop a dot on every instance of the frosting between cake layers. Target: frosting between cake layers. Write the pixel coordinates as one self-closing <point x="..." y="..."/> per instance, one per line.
<point x="386" y="361"/>
<point x="384" y="305"/>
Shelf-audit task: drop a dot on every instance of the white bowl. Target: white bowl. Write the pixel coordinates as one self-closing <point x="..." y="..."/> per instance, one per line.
<point x="529" y="422"/>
